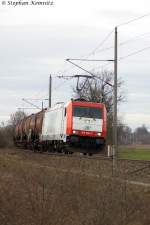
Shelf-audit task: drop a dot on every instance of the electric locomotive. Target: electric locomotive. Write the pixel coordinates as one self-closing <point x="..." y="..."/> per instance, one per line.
<point x="75" y="126"/>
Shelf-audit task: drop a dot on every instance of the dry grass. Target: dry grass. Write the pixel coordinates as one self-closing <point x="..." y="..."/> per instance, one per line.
<point x="6" y="136"/>
<point x="37" y="189"/>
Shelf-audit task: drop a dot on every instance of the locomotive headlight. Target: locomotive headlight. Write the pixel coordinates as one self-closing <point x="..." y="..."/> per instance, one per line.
<point x="99" y="134"/>
<point x="74" y="132"/>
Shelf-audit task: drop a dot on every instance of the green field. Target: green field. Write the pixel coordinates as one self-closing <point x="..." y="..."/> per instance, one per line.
<point x="139" y="152"/>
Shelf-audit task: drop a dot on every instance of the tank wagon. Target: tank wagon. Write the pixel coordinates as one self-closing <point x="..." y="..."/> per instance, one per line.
<point x="75" y="126"/>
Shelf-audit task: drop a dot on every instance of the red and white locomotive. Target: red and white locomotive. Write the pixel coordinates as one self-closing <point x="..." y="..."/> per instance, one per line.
<point x="75" y="126"/>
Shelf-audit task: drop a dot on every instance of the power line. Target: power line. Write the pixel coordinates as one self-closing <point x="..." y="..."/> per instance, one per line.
<point x="134" y="53"/>
<point x="69" y="77"/>
<point x="125" y="23"/>
<point x="77" y="75"/>
<point x="37" y="107"/>
<point x="105" y="49"/>
<point x="104" y="40"/>
<point x="125" y="42"/>
<point x="93" y="51"/>
<point x="101" y="43"/>
<point x="92" y="60"/>
<point x="135" y="19"/>
<point x="85" y="70"/>
<point x="22" y="108"/>
<point x="133" y="39"/>
<point x="87" y="55"/>
<point x="105" y="65"/>
<point x="53" y="90"/>
<point x="58" y="86"/>
<point x="37" y="99"/>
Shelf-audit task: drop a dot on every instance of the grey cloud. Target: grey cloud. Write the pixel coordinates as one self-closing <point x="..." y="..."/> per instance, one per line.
<point x="119" y="14"/>
<point x="30" y="53"/>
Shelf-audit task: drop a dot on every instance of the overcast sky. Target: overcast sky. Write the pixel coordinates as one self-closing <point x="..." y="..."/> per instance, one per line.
<point x="36" y="40"/>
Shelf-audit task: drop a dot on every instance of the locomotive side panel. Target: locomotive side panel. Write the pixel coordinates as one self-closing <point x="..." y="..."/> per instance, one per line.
<point x="104" y="130"/>
<point x="69" y="119"/>
<point x="53" y="125"/>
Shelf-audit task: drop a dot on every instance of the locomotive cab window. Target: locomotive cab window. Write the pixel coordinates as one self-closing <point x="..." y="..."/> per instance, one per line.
<point x="88" y="112"/>
<point x="65" y="112"/>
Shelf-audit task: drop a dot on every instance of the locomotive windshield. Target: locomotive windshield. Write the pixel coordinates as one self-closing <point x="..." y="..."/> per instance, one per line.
<point x="88" y="112"/>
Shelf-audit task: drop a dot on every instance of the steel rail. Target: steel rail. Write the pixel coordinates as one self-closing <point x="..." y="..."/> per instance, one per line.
<point x="95" y="157"/>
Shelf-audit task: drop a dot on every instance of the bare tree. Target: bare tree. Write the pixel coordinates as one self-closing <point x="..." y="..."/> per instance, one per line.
<point x="98" y="89"/>
<point x="142" y="135"/>
<point x="16" y="117"/>
<point x="7" y="130"/>
<point x="125" y="135"/>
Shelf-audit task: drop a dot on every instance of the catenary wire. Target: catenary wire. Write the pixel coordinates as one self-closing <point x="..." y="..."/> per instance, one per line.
<point x="93" y="51"/>
<point x="134" y="53"/>
<point x="124" y="57"/>
<point x="125" y="42"/>
<point x="89" y="54"/>
<point x="132" y="20"/>
<point x="125" y="23"/>
<point x="109" y="34"/>
<point x="101" y="43"/>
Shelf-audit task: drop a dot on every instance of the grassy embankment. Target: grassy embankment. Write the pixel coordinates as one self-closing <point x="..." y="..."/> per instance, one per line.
<point x="135" y="152"/>
<point x="44" y="190"/>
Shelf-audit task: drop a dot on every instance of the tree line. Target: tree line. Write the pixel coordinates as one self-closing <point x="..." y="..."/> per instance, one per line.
<point x="7" y="130"/>
<point x="126" y="136"/>
<point x="96" y="89"/>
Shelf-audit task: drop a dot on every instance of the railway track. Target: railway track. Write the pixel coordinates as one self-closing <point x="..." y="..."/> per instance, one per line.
<point x="92" y="157"/>
<point x="129" y="171"/>
<point x="132" y="167"/>
<point x="133" y="171"/>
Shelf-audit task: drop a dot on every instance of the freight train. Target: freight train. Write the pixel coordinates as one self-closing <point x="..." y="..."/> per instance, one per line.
<point x="75" y="126"/>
